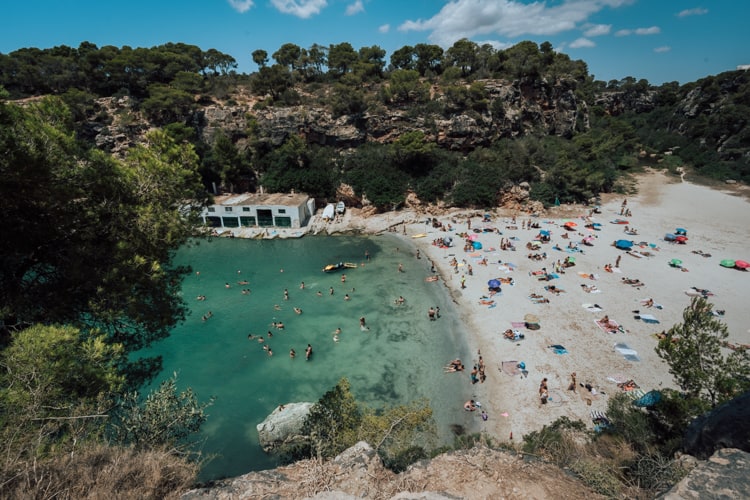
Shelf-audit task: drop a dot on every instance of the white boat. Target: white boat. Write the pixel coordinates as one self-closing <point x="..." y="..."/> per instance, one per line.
<point x="340" y="207"/>
<point x="328" y="212"/>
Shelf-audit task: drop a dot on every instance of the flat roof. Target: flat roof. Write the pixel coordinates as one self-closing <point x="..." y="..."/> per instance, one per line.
<point x="284" y="199"/>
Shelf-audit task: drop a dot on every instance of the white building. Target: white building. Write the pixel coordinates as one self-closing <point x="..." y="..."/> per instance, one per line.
<point x="259" y="210"/>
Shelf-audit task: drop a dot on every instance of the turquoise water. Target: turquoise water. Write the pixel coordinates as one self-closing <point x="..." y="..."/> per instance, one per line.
<point x="400" y="358"/>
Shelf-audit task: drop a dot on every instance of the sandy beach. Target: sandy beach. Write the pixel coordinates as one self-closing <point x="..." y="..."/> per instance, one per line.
<point x="716" y="224"/>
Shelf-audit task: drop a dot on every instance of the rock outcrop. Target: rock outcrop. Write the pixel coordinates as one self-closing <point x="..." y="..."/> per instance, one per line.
<point x="727" y="426"/>
<point x="283" y="426"/>
<point x="724" y="475"/>
<point x="358" y="472"/>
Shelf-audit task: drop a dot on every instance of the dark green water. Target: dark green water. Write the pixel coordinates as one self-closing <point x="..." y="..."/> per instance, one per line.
<point x="400" y="357"/>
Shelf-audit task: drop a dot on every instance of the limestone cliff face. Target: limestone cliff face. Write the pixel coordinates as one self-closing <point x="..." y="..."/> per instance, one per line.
<point x="515" y="108"/>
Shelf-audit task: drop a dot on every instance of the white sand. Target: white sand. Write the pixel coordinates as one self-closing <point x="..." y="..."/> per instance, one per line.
<point x="717" y="223"/>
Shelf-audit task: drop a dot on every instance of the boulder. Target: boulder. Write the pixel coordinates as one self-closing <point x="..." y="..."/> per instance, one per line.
<point x="727" y="426"/>
<point x="724" y="475"/>
<point x="283" y="426"/>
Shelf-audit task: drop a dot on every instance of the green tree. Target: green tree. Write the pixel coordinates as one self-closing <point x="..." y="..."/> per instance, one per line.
<point x="463" y="54"/>
<point x="333" y="421"/>
<point x="694" y="351"/>
<point x="167" y="104"/>
<point x="55" y="387"/>
<point x="272" y="80"/>
<point x="166" y="418"/>
<point x="288" y="55"/>
<point x="403" y="58"/>
<point x="100" y="258"/>
<point x="341" y="58"/>
<point x="260" y="57"/>
<point x="429" y="58"/>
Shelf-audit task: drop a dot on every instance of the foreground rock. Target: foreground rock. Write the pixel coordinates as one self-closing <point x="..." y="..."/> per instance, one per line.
<point x="724" y="475"/>
<point x="283" y="426"/>
<point x="727" y="426"/>
<point x="359" y="473"/>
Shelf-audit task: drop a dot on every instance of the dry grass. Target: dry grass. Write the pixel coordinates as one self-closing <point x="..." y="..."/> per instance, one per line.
<point x="100" y="471"/>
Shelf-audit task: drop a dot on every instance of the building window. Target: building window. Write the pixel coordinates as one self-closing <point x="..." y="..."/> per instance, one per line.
<point x="230" y="221"/>
<point x="227" y="209"/>
<point x="284" y="221"/>
<point x="245" y="209"/>
<point x="248" y="222"/>
<point x="282" y="210"/>
<point x="211" y="209"/>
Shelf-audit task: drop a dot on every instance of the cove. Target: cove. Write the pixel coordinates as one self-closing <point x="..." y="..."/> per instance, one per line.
<point x="399" y="359"/>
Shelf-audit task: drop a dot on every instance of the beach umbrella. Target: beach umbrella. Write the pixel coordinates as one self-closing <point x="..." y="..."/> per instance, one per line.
<point x="544" y="232"/>
<point x="624" y="244"/>
<point x="669" y="237"/>
<point x="536" y="244"/>
<point x="741" y="264"/>
<point x="477" y="245"/>
<point x="681" y="239"/>
<point x="571" y="259"/>
<point x="675" y="262"/>
<point x="472" y="237"/>
<point x="570" y="223"/>
<point x="680" y="230"/>
<point x="727" y="263"/>
<point x="531" y="318"/>
<point x="493" y="283"/>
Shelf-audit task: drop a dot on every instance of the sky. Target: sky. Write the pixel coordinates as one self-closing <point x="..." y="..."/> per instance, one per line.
<point x="659" y="40"/>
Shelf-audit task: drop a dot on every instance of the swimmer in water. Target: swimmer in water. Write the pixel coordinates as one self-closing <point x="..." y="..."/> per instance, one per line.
<point x="362" y="325"/>
<point x="298" y="310"/>
<point x="292" y="354"/>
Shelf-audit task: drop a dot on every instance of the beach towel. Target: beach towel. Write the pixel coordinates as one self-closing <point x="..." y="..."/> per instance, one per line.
<point x="618" y="378"/>
<point x="558" y="349"/>
<point x="511" y="368"/>
<point x="592" y="307"/>
<point x="626" y="352"/>
<point x="649" y="318"/>
<point x="518" y="324"/>
<point x="614" y="328"/>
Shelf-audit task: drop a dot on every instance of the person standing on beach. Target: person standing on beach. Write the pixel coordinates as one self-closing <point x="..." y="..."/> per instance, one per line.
<point x="617" y="262"/>
<point x="543" y="391"/>
<point x="463" y="281"/>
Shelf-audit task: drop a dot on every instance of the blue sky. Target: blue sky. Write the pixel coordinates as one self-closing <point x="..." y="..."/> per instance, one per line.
<point x="659" y="40"/>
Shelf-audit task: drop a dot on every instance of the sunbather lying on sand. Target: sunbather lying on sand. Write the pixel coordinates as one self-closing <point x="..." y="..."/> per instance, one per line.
<point x="633" y="282"/>
<point x="588" y="289"/>
<point x="628" y="386"/>
<point x="486" y="302"/>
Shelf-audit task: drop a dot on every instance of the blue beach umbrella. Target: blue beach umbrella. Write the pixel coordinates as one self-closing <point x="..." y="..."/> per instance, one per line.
<point x="624" y="244"/>
<point x="544" y="232"/>
<point x="493" y="283"/>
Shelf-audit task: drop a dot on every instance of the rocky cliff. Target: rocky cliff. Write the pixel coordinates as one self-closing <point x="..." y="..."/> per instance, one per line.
<point x="478" y="472"/>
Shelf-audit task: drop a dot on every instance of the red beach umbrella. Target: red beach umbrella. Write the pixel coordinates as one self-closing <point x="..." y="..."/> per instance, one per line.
<point x="681" y="239"/>
<point x="741" y="264"/>
<point x="570" y="224"/>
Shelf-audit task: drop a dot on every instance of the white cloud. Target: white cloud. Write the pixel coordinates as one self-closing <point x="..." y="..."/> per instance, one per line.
<point x="662" y="49"/>
<point x="698" y="11"/>
<point x="300" y="8"/>
<point x="582" y="43"/>
<point x="384" y="28"/>
<point x="355" y="8"/>
<point x="653" y="30"/>
<point x="241" y="5"/>
<point x="508" y="18"/>
<point x="597" y="29"/>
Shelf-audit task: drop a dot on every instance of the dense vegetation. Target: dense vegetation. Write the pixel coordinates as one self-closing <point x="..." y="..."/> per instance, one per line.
<point x="86" y="275"/>
<point x="629" y="123"/>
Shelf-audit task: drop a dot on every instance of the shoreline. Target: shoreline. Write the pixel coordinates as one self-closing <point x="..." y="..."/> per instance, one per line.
<point x="660" y="205"/>
<point x="716" y="224"/>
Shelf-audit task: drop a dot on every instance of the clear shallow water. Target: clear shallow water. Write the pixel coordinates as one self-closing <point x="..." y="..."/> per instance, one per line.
<point x="399" y="359"/>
